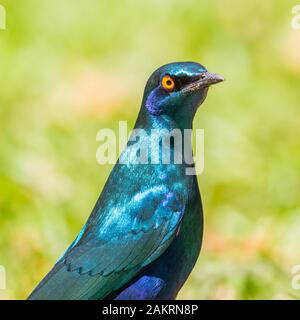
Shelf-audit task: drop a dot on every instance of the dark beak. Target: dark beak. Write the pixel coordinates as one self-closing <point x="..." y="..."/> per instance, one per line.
<point x="205" y="80"/>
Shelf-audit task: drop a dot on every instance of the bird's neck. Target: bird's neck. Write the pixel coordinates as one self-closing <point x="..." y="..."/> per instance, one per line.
<point x="161" y="131"/>
<point x="148" y="121"/>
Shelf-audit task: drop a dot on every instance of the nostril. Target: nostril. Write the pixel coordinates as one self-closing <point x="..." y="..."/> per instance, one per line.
<point x="202" y="76"/>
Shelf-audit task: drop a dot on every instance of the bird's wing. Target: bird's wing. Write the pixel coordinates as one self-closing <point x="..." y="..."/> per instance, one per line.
<point x="128" y="239"/>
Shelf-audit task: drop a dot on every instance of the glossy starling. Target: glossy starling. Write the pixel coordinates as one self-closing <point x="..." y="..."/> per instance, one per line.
<point x="144" y="234"/>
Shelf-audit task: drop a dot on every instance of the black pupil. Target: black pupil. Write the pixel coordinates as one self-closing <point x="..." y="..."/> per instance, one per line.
<point x="169" y="82"/>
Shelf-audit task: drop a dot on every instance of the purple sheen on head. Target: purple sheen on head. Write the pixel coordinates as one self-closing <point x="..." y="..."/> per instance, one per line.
<point x="152" y="103"/>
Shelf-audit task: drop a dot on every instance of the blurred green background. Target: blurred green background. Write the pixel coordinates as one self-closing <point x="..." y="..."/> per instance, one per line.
<point x="69" y="68"/>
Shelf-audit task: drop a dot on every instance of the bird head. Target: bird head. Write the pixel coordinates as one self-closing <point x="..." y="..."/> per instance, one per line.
<point x="176" y="90"/>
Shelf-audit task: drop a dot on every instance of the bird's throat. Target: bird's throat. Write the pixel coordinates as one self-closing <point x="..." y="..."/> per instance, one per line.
<point x="167" y="140"/>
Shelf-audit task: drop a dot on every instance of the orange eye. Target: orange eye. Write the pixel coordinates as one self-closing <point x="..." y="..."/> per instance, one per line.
<point x="168" y="83"/>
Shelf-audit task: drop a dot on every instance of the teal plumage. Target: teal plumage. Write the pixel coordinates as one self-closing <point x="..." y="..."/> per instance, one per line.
<point x="144" y="234"/>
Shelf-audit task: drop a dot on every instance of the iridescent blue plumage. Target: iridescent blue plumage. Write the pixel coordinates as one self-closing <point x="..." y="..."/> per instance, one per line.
<point x="144" y="234"/>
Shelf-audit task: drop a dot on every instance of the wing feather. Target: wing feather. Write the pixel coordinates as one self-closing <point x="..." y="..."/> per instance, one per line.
<point x="94" y="267"/>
